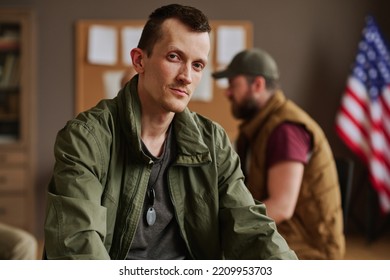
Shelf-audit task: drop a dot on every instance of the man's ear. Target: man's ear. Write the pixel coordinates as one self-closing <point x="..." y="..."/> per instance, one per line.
<point x="259" y="83"/>
<point x="137" y="56"/>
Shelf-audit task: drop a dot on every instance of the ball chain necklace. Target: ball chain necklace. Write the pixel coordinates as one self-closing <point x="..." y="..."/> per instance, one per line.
<point x="151" y="214"/>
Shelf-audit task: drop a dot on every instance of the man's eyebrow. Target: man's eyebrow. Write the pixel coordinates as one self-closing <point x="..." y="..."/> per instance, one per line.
<point x="182" y="54"/>
<point x="203" y="61"/>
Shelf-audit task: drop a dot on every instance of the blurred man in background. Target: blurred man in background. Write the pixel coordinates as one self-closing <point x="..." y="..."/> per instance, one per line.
<point x="286" y="158"/>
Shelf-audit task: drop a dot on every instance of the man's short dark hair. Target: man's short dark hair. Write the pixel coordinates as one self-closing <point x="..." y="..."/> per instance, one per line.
<point x="190" y="16"/>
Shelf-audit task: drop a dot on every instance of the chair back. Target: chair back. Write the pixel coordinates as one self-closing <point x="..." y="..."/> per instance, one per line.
<point x="345" y="167"/>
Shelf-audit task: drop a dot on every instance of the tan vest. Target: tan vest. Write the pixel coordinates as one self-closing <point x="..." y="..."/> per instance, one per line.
<point x="315" y="230"/>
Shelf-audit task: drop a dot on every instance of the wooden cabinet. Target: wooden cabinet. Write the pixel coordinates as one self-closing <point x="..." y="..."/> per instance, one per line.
<point x="17" y="118"/>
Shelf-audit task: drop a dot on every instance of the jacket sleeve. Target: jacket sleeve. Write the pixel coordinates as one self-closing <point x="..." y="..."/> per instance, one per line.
<point x="75" y="225"/>
<point x="247" y="232"/>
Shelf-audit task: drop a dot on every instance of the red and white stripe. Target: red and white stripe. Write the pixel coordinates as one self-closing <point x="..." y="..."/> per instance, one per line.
<point x="364" y="125"/>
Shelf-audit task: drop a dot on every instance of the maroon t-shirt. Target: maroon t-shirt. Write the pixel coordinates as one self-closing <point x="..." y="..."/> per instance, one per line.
<point x="289" y="141"/>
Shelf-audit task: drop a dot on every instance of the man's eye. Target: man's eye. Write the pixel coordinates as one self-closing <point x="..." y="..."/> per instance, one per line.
<point x="198" y="66"/>
<point x="173" y="56"/>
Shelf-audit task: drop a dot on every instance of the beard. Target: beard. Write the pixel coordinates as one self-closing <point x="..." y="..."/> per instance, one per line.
<point x="246" y="109"/>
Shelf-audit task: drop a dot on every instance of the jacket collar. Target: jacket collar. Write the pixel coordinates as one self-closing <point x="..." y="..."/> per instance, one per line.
<point x="190" y="143"/>
<point x="191" y="147"/>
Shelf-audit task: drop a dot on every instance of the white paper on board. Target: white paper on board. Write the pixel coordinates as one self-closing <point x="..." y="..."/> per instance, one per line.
<point x="230" y="41"/>
<point x="102" y="45"/>
<point x="130" y="39"/>
<point x="112" y="83"/>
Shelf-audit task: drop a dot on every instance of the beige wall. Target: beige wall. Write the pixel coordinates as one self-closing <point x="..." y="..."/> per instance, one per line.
<point x="314" y="42"/>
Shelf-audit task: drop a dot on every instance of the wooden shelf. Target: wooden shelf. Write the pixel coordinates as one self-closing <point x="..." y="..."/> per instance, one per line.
<point x="17" y="117"/>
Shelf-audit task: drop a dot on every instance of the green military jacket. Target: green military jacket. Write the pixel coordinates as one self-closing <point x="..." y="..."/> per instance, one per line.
<point x="100" y="177"/>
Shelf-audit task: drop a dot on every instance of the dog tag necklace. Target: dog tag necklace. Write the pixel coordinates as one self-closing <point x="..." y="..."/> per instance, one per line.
<point x="151" y="213"/>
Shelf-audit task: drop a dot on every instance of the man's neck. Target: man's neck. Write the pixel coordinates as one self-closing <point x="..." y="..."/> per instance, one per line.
<point x="154" y="131"/>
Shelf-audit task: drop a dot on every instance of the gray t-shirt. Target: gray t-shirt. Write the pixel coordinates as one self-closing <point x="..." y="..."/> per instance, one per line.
<point x="162" y="240"/>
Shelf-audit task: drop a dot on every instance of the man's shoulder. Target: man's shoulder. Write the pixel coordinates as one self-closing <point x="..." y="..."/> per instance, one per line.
<point x="98" y="120"/>
<point x="205" y="123"/>
<point x="104" y="110"/>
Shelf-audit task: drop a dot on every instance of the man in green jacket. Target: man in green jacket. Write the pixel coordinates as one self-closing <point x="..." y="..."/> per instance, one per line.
<point x="142" y="177"/>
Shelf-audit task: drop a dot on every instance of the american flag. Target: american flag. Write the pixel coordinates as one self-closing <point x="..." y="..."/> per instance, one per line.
<point x="363" y="120"/>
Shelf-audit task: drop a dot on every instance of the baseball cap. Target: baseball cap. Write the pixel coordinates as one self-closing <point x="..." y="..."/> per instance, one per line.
<point x="250" y="62"/>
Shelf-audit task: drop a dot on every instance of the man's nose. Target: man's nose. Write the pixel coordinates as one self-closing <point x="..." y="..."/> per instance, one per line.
<point x="185" y="74"/>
